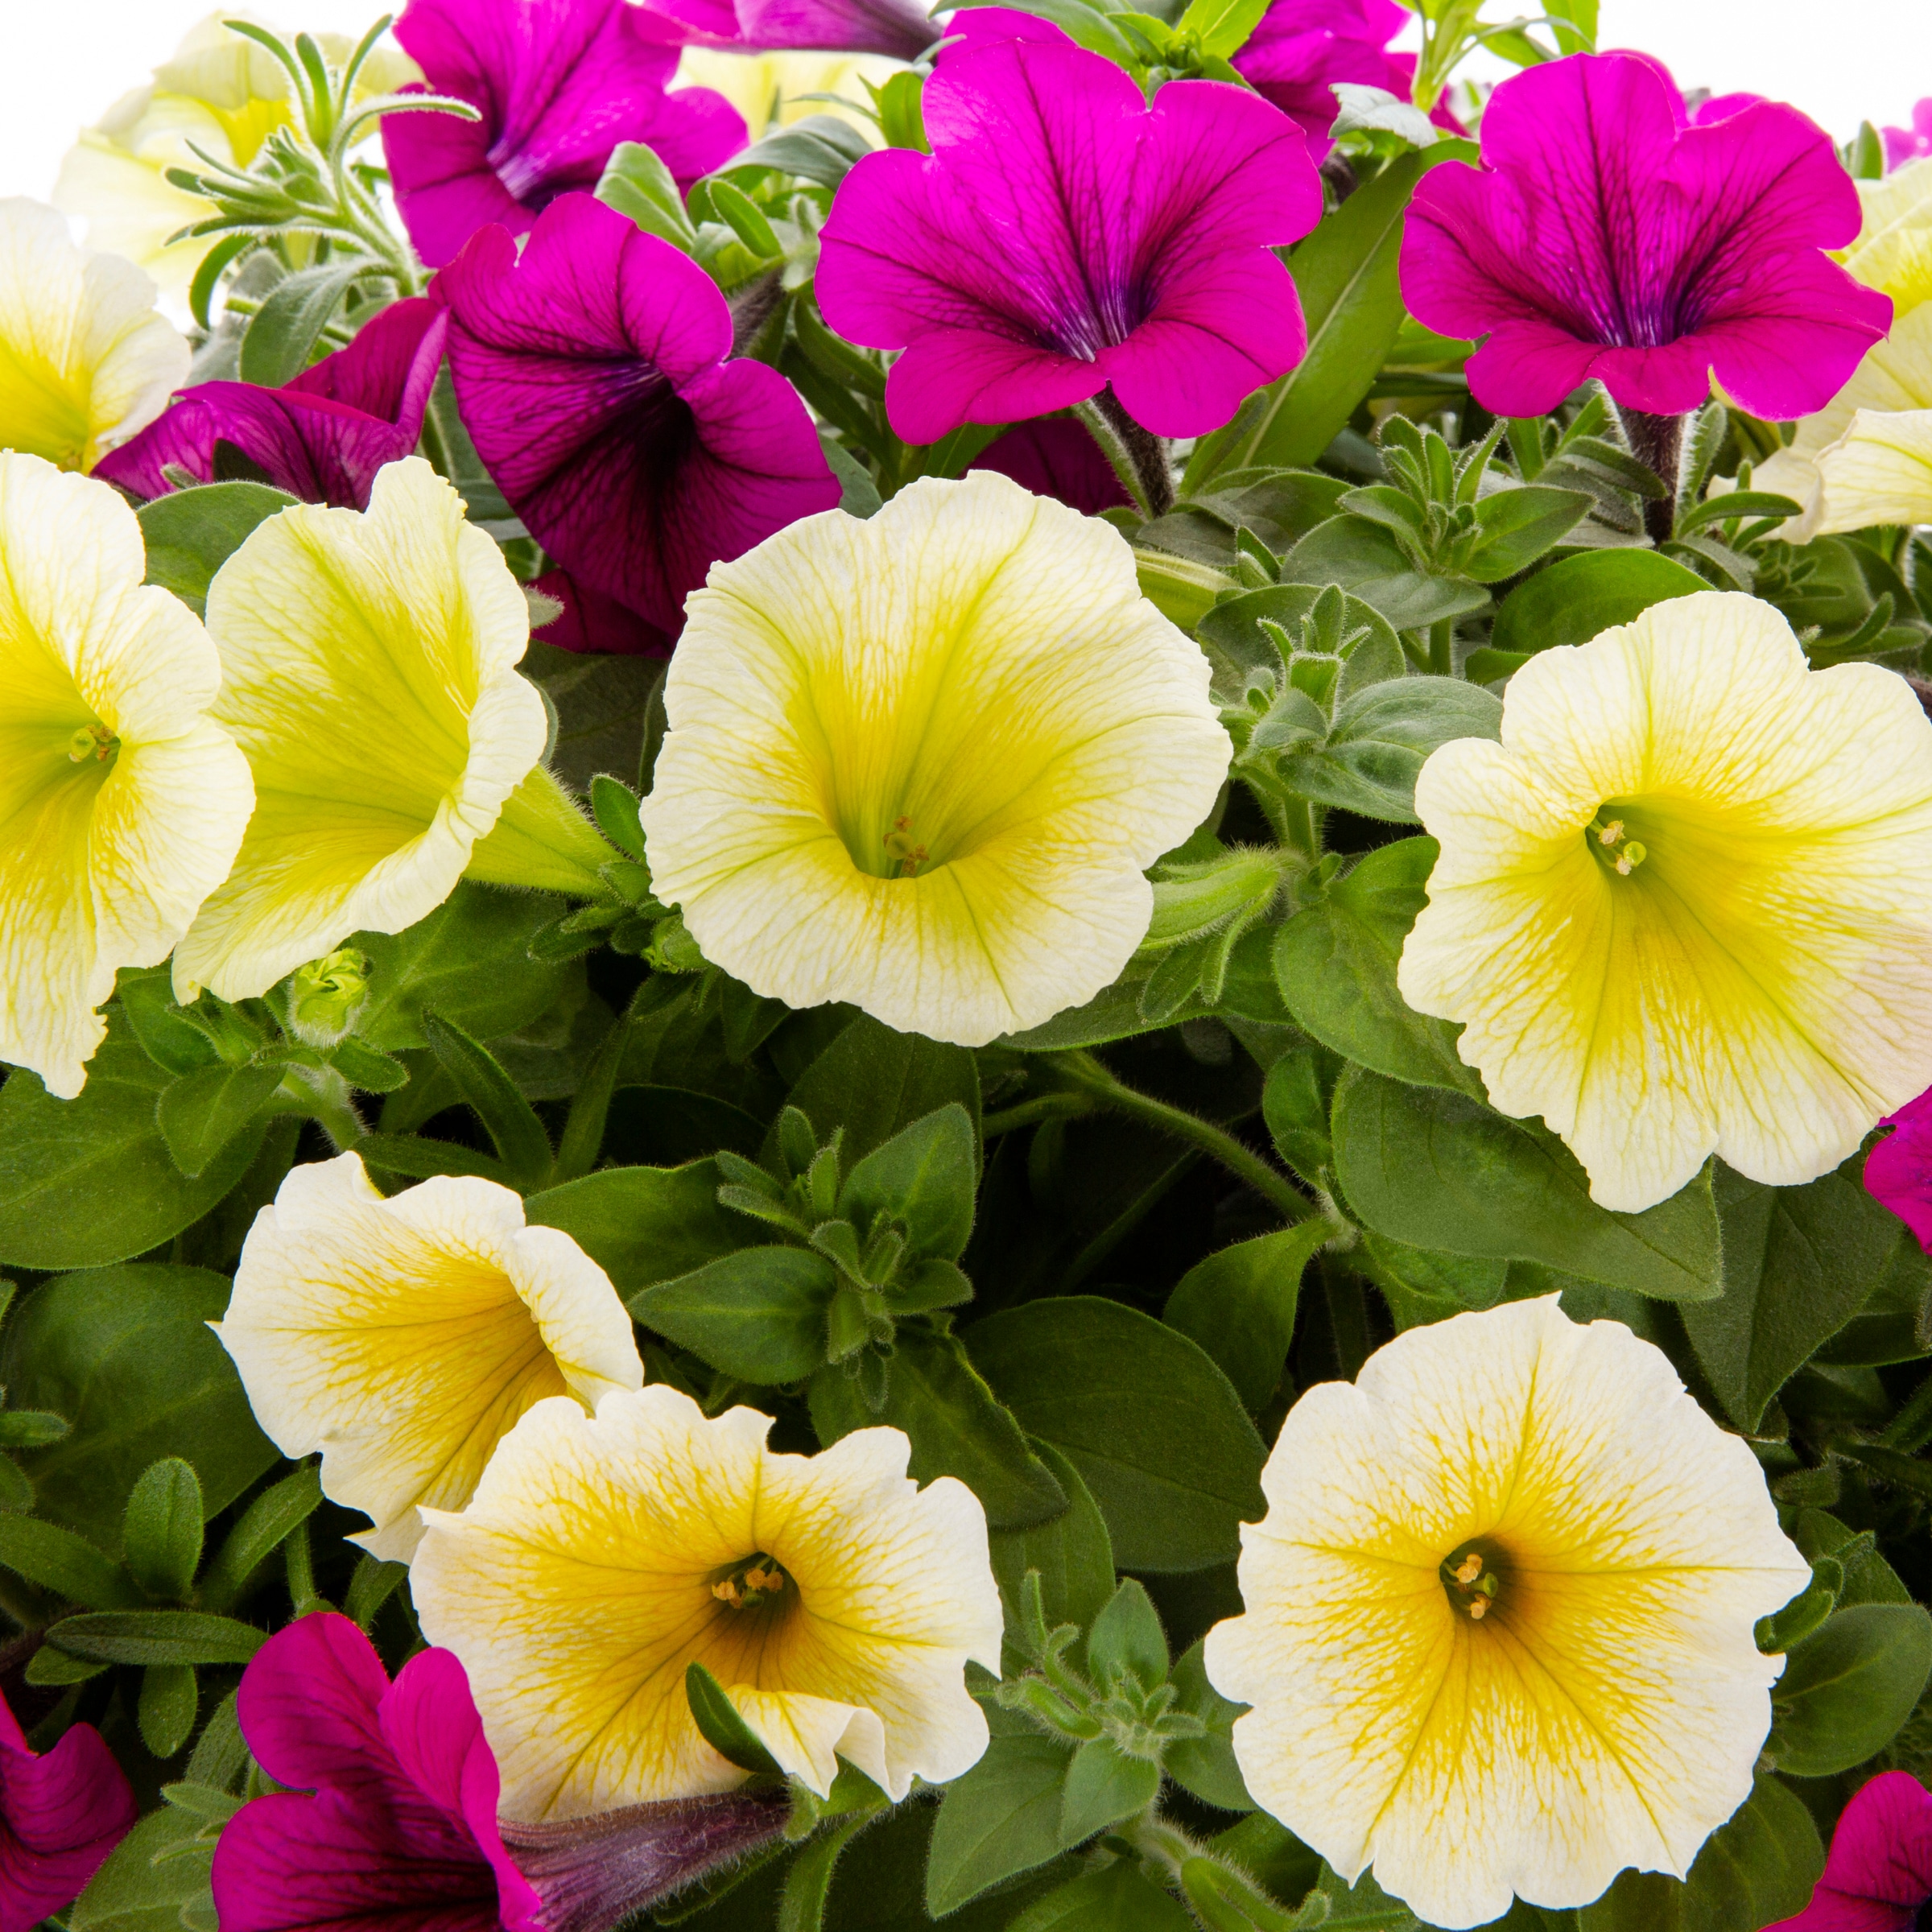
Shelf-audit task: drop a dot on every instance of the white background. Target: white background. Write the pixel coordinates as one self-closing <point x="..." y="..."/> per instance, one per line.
<point x="65" y="61"/>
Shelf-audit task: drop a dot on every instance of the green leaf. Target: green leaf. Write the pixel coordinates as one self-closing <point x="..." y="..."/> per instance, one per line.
<point x="925" y="1177"/>
<point x="956" y="1425"/>
<point x="1221" y="28"/>
<point x="1847" y="1688"/>
<point x="276" y="1513"/>
<point x="201" y="1113"/>
<point x="283" y="332"/>
<point x="470" y="960"/>
<point x="1345" y="274"/>
<point x="1104" y="1786"/>
<point x="126" y="1354"/>
<point x="636" y="182"/>
<point x="89" y="1181"/>
<point x="67" y="1564"/>
<point x="1156" y="1430"/>
<point x="1118" y="1898"/>
<point x="1798" y="1263"/>
<point x="1071" y="1551"/>
<point x="1295" y="1100"/>
<point x="1236" y="646"/>
<point x="1238" y="1305"/>
<point x="161" y="1531"/>
<point x="1336" y="963"/>
<point x="758" y="1314"/>
<point x="642" y="1225"/>
<point x="820" y="148"/>
<point x="1126" y="1644"/>
<point x="1205" y="1765"/>
<point x="808" y="1882"/>
<point x="1364" y="1906"/>
<point x="614" y="806"/>
<point x="1896" y="1324"/>
<point x="1756" y="1869"/>
<point x="156" y="1636"/>
<point x="155" y="1876"/>
<point x="1001" y="1819"/>
<point x="1380" y="739"/>
<point x="511" y="1122"/>
<point x="1364" y="558"/>
<point x="165" y="1712"/>
<point x="1440" y="1171"/>
<point x="1518" y="526"/>
<point x="168" y="1038"/>
<point x="1579" y="598"/>
<point x="873" y="1082"/>
<point x="190" y="534"/>
<point x="901" y="112"/>
<point x="727" y="1733"/>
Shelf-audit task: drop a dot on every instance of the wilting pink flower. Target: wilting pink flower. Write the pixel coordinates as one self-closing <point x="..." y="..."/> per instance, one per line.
<point x="898" y="27"/>
<point x="1879" y="1873"/>
<point x="1903" y="144"/>
<point x="1302" y="48"/>
<point x="1056" y="457"/>
<point x="1898" y="1170"/>
<point x="1063" y="235"/>
<point x="558" y="83"/>
<point x="322" y="436"/>
<point x="61" y="1813"/>
<point x="1605" y="237"/>
<point x="592" y="374"/>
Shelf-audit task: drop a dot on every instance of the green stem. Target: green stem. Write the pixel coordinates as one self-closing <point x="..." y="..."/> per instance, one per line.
<point x="1084" y="1071"/>
<point x="1028" y="1114"/>
<point x="323" y="1095"/>
<point x="1911" y="1428"/>
<point x="1441" y="648"/>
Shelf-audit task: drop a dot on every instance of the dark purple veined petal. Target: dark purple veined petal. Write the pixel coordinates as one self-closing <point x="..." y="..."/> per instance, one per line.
<point x="1056" y="457"/>
<point x="61" y="1813"/>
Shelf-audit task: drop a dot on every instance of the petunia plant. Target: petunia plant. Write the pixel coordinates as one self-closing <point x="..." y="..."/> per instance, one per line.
<point x="965" y="970"/>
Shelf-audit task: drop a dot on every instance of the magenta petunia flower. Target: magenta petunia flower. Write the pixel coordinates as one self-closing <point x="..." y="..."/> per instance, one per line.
<point x="1879" y="1871"/>
<point x="1903" y="144"/>
<point x="1056" y="457"/>
<point x="898" y="27"/>
<point x="592" y="374"/>
<point x="1605" y="237"/>
<point x="401" y="1822"/>
<point x="1063" y="235"/>
<point x="61" y="1813"/>
<point x="594" y="624"/>
<point x="321" y="437"/>
<point x="1898" y="1170"/>
<point x="558" y="83"/>
<point x="1302" y="48"/>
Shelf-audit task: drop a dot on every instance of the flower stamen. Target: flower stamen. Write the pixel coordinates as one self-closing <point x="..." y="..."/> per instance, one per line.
<point x="93" y="741"/>
<point x="1625" y="854"/>
<point x="755" y="1580"/>
<point x="1472" y="1578"/>
<point x="901" y="845"/>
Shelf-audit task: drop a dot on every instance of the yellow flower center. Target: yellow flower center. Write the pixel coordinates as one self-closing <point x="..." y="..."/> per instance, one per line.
<point x="904" y="849"/>
<point x="754" y="1583"/>
<point x="91" y="743"/>
<point x="1473" y="1576"/>
<point x="1611" y="840"/>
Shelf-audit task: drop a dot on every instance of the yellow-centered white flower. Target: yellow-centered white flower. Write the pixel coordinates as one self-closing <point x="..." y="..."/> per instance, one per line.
<point x="121" y="803"/>
<point x="84" y="360"/>
<point x="1684" y="906"/>
<point x="921" y="762"/>
<point x="403" y="1338"/>
<point x="1498" y="1623"/>
<point x="835" y="1602"/>
<point x="368" y="663"/>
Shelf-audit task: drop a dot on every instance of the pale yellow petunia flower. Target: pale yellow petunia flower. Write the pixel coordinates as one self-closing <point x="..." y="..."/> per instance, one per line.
<point x="121" y="803"/>
<point x="1684" y="906"/>
<point x="1893" y="251"/>
<point x="1881" y="470"/>
<point x="84" y="360"/>
<point x="1498" y="1628"/>
<point x="836" y="1601"/>
<point x="369" y="661"/>
<point x="921" y="762"/>
<point x="403" y="1338"/>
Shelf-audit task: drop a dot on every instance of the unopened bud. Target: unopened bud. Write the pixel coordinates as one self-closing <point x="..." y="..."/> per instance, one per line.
<point x="325" y="995"/>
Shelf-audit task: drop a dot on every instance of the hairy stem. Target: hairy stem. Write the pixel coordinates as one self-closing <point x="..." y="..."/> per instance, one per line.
<point x="1139" y="457"/>
<point x="1657" y="441"/>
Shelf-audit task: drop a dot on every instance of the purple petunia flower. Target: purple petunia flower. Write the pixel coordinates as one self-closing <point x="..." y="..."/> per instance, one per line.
<point x="1898" y="1170"/>
<point x="1605" y="237"/>
<point x="592" y="624"/>
<point x="558" y="83"/>
<point x="61" y="1813"/>
<point x="1056" y="457"/>
<point x="897" y="27"/>
<point x="592" y="374"/>
<point x="1903" y="144"/>
<point x="1879" y="1873"/>
<point x="1063" y="235"/>
<point x="321" y="437"/>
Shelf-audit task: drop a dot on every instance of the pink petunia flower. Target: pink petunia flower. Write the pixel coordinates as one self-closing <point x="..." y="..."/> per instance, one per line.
<point x="1056" y="457"/>
<point x="1063" y="235"/>
<point x="559" y="84"/>
<point x="592" y="373"/>
<point x="322" y="436"/>
<point x="61" y="1812"/>
<point x="1879" y="1873"/>
<point x="1898" y="1170"/>
<point x="1605" y="237"/>
<point x="1903" y="144"/>
<point x="897" y="27"/>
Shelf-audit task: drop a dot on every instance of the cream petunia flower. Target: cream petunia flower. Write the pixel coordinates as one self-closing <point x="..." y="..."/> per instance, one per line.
<point x="403" y="1338"/>
<point x="221" y="93"/>
<point x="773" y="88"/>
<point x="121" y="804"/>
<point x="920" y="762"/>
<point x="1684" y="906"/>
<point x="84" y="361"/>
<point x="369" y="661"/>
<point x="1893" y="251"/>
<point x="1881" y="470"/>
<point x="1498" y="1627"/>
<point x="836" y="1603"/>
